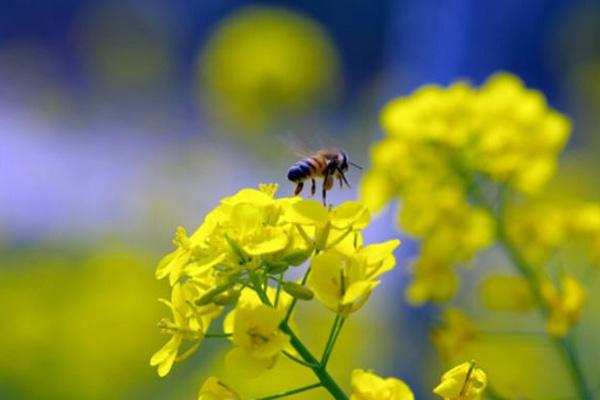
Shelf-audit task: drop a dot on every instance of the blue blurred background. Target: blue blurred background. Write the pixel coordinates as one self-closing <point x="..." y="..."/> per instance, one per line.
<point x="120" y="120"/>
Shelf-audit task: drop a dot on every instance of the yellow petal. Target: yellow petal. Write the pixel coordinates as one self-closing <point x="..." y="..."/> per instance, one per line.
<point x="278" y="241"/>
<point x="214" y="389"/>
<point x="249" y="196"/>
<point x="240" y="362"/>
<point x="357" y="290"/>
<point x="350" y="213"/>
<point x="306" y="212"/>
<point x="165" y="357"/>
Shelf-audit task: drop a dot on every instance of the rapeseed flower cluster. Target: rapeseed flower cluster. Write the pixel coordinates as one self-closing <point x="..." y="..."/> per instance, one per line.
<point x="471" y="166"/>
<point x="437" y="143"/>
<point x="238" y="259"/>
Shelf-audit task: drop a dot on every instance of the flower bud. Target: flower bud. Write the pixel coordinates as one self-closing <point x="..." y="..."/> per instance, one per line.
<point x="228" y="298"/>
<point x="209" y="296"/>
<point x="297" y="257"/>
<point x="298" y="291"/>
<point x="276" y="267"/>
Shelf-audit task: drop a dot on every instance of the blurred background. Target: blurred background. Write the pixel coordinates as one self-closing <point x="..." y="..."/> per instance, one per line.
<point x="120" y="120"/>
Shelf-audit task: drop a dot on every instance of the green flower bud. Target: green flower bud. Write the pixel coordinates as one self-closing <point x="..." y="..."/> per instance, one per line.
<point x="297" y="257"/>
<point x="276" y="267"/>
<point x="209" y="297"/>
<point x="298" y="291"/>
<point x="228" y="298"/>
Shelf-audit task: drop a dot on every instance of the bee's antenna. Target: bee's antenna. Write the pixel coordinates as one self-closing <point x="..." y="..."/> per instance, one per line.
<point x="355" y="165"/>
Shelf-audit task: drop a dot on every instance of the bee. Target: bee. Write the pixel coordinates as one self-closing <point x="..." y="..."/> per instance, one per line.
<point x="327" y="164"/>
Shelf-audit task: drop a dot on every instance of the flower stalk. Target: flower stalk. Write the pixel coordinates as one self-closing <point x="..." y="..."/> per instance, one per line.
<point x="565" y="344"/>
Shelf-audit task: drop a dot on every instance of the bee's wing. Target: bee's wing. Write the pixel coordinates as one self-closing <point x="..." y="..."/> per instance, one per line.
<point x="298" y="145"/>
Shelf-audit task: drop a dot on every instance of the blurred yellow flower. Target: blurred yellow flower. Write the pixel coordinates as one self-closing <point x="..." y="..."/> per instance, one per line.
<point x="214" y="389"/>
<point x="368" y="386"/>
<point x="434" y="280"/>
<point x="265" y="64"/>
<point x="257" y="339"/>
<point x="463" y="382"/>
<point x="537" y="228"/>
<point x="93" y="301"/>
<point x="450" y="226"/>
<point x="585" y="223"/>
<point x="455" y="333"/>
<point x="565" y="304"/>
<point x="449" y="140"/>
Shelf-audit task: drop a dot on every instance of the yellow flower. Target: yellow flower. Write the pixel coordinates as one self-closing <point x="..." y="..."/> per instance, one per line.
<point x="249" y="299"/>
<point x="174" y="263"/>
<point x="324" y="227"/>
<point x="214" y="389"/>
<point x="263" y="64"/>
<point x="248" y="240"/>
<point x="450" y="226"/>
<point x="585" y="223"/>
<point x="565" y="305"/>
<point x="586" y="218"/>
<point x="257" y="339"/>
<point x="463" y="382"/>
<point x="245" y="231"/>
<point x="537" y="228"/>
<point x="344" y="282"/>
<point x="433" y="280"/>
<point x="456" y="332"/>
<point x="521" y="137"/>
<point x="187" y="324"/>
<point x="443" y="150"/>
<point x="368" y="386"/>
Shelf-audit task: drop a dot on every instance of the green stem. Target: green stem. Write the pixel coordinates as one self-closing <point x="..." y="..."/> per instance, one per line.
<point x="570" y="354"/>
<point x="291" y="392"/>
<point x="333" y="335"/>
<point x="299" y="361"/>
<point x="278" y="293"/>
<point x="319" y="370"/>
<point x="311" y="362"/>
<point x="564" y="345"/>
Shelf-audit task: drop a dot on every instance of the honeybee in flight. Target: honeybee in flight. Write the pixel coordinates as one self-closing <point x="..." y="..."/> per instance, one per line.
<point x="327" y="164"/>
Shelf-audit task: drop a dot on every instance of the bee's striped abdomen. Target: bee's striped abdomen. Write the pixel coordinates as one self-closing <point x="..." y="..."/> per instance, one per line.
<point x="304" y="169"/>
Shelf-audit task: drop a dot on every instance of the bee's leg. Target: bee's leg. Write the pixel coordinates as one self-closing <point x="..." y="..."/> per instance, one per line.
<point x="342" y="176"/>
<point x="313" y="187"/>
<point x="325" y="178"/>
<point x="339" y="177"/>
<point x="299" y="187"/>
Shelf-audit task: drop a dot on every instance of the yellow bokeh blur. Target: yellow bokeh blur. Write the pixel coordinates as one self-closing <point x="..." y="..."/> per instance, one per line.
<point x="263" y="65"/>
<point x="77" y="326"/>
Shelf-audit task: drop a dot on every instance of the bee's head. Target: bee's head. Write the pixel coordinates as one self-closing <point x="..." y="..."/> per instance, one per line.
<point x="343" y="160"/>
